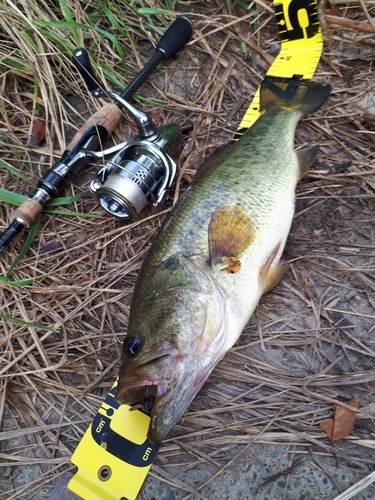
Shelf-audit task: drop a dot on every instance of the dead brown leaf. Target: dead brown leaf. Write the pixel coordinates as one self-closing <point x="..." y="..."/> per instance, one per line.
<point x="38" y="133"/>
<point x="343" y="422"/>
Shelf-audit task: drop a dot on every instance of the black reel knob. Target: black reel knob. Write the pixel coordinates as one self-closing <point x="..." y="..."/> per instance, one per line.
<point x="81" y="61"/>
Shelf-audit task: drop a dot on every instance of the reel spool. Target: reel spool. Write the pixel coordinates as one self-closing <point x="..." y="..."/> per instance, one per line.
<point x="140" y="173"/>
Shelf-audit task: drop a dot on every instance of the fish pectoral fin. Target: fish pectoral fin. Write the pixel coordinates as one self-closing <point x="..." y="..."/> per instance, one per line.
<point x="306" y="158"/>
<point x="269" y="274"/>
<point x="230" y="232"/>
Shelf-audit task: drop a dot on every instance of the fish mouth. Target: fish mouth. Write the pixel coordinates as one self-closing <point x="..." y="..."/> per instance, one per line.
<point x="138" y="389"/>
<point x="151" y="396"/>
<point x="164" y="398"/>
<point x="170" y="407"/>
<point x="161" y="395"/>
<point x="151" y="380"/>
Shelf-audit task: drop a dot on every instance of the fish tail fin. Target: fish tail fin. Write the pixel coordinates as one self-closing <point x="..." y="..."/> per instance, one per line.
<point x="291" y="95"/>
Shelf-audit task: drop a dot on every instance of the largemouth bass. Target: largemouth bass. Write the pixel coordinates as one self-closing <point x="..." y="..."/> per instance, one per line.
<point x="216" y="254"/>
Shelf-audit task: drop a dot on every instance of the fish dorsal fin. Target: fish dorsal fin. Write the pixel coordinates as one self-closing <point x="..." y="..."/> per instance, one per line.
<point x="230" y="232"/>
<point x="211" y="160"/>
<point x="306" y="158"/>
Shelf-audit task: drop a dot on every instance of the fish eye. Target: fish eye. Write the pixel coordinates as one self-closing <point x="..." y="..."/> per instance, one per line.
<point x="132" y="346"/>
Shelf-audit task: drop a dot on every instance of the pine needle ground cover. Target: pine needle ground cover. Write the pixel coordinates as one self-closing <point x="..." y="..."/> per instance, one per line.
<point x="254" y="429"/>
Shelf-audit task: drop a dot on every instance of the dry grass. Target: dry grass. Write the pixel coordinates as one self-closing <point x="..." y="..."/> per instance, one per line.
<point x="310" y="343"/>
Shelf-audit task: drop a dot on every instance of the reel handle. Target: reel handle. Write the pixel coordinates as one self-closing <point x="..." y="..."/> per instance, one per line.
<point x="178" y="33"/>
<point x="81" y="61"/>
<point x="176" y="36"/>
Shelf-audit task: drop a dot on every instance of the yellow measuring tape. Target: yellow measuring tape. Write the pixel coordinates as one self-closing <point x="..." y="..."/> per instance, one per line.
<point x="114" y="456"/>
<point x="301" y="48"/>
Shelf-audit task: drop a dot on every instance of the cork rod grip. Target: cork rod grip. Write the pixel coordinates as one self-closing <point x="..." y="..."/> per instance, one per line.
<point x="28" y="212"/>
<point x="108" y="117"/>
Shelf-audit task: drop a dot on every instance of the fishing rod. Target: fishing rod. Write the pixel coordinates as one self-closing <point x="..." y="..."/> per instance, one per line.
<point x="140" y="169"/>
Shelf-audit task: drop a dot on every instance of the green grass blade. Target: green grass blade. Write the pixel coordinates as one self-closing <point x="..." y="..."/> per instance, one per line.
<point x="15" y="172"/>
<point x="21" y="283"/>
<point x="30" y="41"/>
<point x="72" y="25"/>
<point x="114" y="77"/>
<point x="152" y="11"/>
<point x="147" y="100"/>
<point x="113" y="19"/>
<point x="69" y="18"/>
<point x="30" y="238"/>
<point x="18" y="199"/>
<point x="66" y="200"/>
<point x="12" y="198"/>
<point x="18" y="65"/>
<point x="74" y="214"/>
<point x="27" y="323"/>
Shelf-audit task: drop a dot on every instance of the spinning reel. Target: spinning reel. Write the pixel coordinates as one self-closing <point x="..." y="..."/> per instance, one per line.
<point x="138" y="171"/>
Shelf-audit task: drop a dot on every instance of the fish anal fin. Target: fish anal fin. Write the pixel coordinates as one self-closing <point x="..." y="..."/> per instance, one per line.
<point x="270" y="274"/>
<point x="274" y="276"/>
<point x="230" y="232"/>
<point x="306" y="158"/>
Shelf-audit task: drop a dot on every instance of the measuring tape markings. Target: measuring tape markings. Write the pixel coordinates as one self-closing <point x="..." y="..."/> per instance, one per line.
<point x="114" y="456"/>
<point x="301" y="49"/>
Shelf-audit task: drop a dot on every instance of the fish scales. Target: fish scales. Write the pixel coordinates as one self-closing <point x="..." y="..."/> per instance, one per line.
<point x="260" y="179"/>
<point x="214" y="257"/>
<point x="251" y="173"/>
